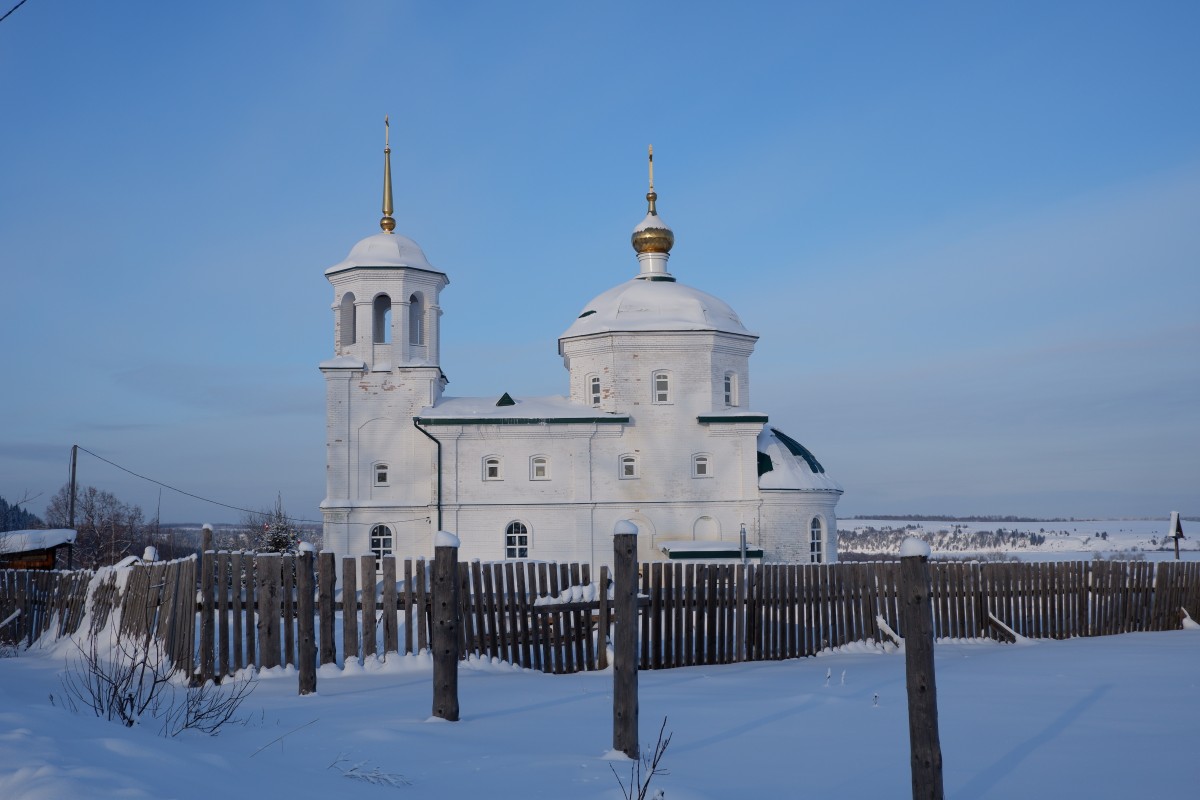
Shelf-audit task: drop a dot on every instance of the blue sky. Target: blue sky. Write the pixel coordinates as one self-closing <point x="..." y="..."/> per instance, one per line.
<point x="967" y="233"/>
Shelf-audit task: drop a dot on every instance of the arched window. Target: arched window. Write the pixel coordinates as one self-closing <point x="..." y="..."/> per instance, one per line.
<point x="539" y="468"/>
<point x="381" y="474"/>
<point x="382" y="319"/>
<point x="628" y="467"/>
<point x="731" y="389"/>
<point x="492" y="469"/>
<point x="701" y="467"/>
<point x="346" y="319"/>
<point x="816" y="541"/>
<point x="416" y="319"/>
<point x="381" y="543"/>
<point x="662" y="387"/>
<point x="593" y="382"/>
<point x="516" y="540"/>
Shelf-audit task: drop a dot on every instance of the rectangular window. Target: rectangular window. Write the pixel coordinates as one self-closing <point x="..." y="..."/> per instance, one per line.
<point x="628" y="467"/>
<point x="381" y="474"/>
<point x="491" y="469"/>
<point x="700" y="467"/>
<point x="730" y="398"/>
<point x="594" y="390"/>
<point x="662" y="388"/>
<point x="539" y="468"/>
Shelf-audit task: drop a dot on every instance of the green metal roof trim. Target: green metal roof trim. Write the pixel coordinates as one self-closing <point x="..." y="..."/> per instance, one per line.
<point x="704" y="419"/>
<point x="586" y="314"/>
<point x="663" y="278"/>
<point x="520" y="420"/>
<point x="704" y="555"/>
<point x="394" y="266"/>
<point x="800" y="450"/>
<point x="765" y="464"/>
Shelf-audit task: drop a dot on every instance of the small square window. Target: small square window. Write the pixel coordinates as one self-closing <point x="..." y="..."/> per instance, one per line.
<point x="539" y="468"/>
<point x="381" y="475"/>
<point x="628" y="467"/>
<point x="700" y="467"/>
<point x="491" y="469"/>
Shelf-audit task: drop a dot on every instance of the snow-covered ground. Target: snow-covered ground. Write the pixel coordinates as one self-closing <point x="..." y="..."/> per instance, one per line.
<point x="1112" y="717"/>
<point x="1063" y="540"/>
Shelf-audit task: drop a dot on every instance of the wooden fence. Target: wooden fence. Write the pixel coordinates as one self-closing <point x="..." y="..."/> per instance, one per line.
<point x="156" y="600"/>
<point x="552" y="617"/>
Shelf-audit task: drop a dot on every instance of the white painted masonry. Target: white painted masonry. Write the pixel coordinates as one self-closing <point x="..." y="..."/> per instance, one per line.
<point x="662" y="447"/>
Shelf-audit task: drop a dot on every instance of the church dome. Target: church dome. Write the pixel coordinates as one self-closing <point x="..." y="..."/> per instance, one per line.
<point x="655" y="305"/>
<point x="652" y="235"/>
<point x="784" y="463"/>
<point x="384" y="250"/>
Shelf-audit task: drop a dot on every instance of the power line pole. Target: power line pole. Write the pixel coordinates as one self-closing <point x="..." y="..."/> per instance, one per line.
<point x="71" y="503"/>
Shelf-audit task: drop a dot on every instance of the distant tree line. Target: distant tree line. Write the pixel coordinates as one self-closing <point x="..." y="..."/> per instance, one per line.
<point x="15" y="518"/>
<point x="952" y="518"/>
<point x="888" y="540"/>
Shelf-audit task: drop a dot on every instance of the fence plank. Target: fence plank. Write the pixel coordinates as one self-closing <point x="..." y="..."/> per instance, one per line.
<point x="656" y="615"/>
<point x="237" y="611"/>
<point x="602" y="648"/>
<point x="409" y="595"/>
<point x="644" y="661"/>
<point x="521" y="598"/>
<point x="423" y="606"/>
<point x="326" y="585"/>
<point x="349" y="612"/>
<point x="391" y="637"/>
<point x="288" y="604"/>
<point x="370" y="646"/>
<point x="307" y="656"/>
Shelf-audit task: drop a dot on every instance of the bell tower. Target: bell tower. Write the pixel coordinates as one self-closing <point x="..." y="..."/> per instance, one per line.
<point x="385" y="369"/>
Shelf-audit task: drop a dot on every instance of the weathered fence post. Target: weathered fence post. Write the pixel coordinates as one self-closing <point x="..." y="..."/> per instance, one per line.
<point x="916" y="620"/>
<point x="445" y="626"/>
<point x="307" y="644"/>
<point x="208" y="617"/>
<point x="625" y="655"/>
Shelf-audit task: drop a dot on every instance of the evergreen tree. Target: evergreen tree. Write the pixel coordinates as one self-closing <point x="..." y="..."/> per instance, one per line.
<point x="14" y="518"/>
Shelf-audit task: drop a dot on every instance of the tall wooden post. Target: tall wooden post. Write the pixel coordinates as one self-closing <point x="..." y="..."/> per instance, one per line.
<point x="445" y="626"/>
<point x="625" y="659"/>
<point x="307" y="640"/>
<point x="207" y="613"/>
<point x="916" y="620"/>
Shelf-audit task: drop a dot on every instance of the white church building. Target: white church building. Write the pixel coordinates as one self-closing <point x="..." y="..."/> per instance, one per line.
<point x="657" y="426"/>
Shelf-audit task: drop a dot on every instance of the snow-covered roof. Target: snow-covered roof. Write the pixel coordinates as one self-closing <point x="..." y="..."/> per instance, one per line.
<point x="555" y="408"/>
<point x="655" y="305"/>
<point x="25" y="541"/>
<point x="652" y="222"/>
<point x="791" y="465"/>
<point x="343" y="362"/>
<point x="384" y="250"/>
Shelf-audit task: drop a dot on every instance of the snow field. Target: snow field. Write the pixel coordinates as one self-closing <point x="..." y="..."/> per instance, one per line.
<point x="1106" y="717"/>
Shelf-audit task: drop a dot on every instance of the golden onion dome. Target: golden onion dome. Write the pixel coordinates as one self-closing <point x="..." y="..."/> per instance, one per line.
<point x="652" y="235"/>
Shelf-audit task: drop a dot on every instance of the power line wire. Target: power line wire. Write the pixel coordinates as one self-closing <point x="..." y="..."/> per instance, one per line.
<point x="14" y="8"/>
<point x="218" y="502"/>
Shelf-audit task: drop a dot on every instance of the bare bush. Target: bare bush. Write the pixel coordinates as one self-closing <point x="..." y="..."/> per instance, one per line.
<point x="121" y="687"/>
<point x="644" y="769"/>
<point x="134" y="680"/>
